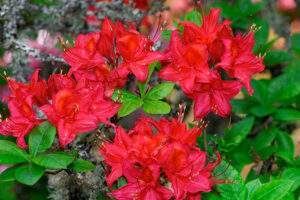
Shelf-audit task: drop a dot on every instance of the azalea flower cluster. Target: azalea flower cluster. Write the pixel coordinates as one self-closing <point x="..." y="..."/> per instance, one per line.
<point x="100" y="62"/>
<point x="198" y="54"/>
<point x="158" y="164"/>
<point x="73" y="107"/>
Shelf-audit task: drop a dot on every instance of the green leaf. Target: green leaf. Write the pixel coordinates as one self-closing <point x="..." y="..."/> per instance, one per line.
<point x="248" y="8"/>
<point x="292" y="174"/>
<point x="285" y="143"/>
<point x="192" y="16"/>
<point x="265" y="138"/>
<point x="284" y="87"/>
<point x="9" y="174"/>
<point x="266" y="152"/>
<point x="81" y="165"/>
<point x="228" y="11"/>
<point x="210" y="196"/>
<point x="29" y="174"/>
<point x="160" y="91"/>
<point x="238" y="132"/>
<point x="296" y="43"/>
<point x="166" y="34"/>
<point x="277" y="57"/>
<point x="143" y="86"/>
<point x="232" y="191"/>
<point x="241" y="106"/>
<point x="252" y="186"/>
<point x="274" y="190"/>
<point x="287" y="114"/>
<point x="289" y="196"/>
<point x="10" y="153"/>
<point x="262" y="111"/>
<point x="41" y="138"/>
<point x="244" y="6"/>
<point x="129" y="106"/>
<point x="260" y="93"/>
<point x="123" y="96"/>
<point x="57" y="160"/>
<point x="156" y="107"/>
<point x="283" y="156"/>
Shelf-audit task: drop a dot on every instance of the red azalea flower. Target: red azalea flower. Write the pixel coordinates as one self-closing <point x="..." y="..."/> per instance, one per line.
<point x="239" y="61"/>
<point x="37" y="89"/>
<point x="22" y="120"/>
<point x="77" y="110"/>
<point x="189" y="63"/>
<point x="84" y="55"/>
<point x="142" y="184"/>
<point x="135" y="49"/>
<point x="214" y="96"/>
<point x="115" y="154"/>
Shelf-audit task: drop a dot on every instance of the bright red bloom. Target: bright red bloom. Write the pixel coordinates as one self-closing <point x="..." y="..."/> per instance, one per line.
<point x="21" y="121"/>
<point x="142" y="184"/>
<point x="239" y="61"/>
<point x="115" y="154"/>
<point x="214" y="96"/>
<point x="78" y="109"/>
<point x="141" y="154"/>
<point x="135" y="49"/>
<point x="189" y="63"/>
<point x="20" y="103"/>
<point x="84" y="55"/>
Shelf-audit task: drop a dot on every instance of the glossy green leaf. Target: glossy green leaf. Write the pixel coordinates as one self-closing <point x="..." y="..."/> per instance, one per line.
<point x="264" y="138"/>
<point x="234" y="191"/>
<point x="10" y="153"/>
<point x="81" y="165"/>
<point x="274" y="190"/>
<point x="238" y="132"/>
<point x="9" y="174"/>
<point x="228" y="11"/>
<point x="41" y="138"/>
<point x="156" y="107"/>
<point x="285" y="143"/>
<point x="283" y="87"/>
<point x="160" y="91"/>
<point x="57" y="160"/>
<point x="210" y="196"/>
<point x="262" y="111"/>
<point x="283" y="156"/>
<point x="260" y="93"/>
<point x="192" y="16"/>
<point x="277" y="57"/>
<point x="123" y="96"/>
<point x="292" y="174"/>
<point x="241" y="106"/>
<point x="252" y="186"/>
<point x="287" y="114"/>
<point x="266" y="152"/>
<point x="29" y="174"/>
<point x="129" y="106"/>
<point x="296" y="43"/>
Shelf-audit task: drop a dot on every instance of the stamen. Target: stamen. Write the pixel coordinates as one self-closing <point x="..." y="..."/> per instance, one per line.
<point x="248" y="26"/>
